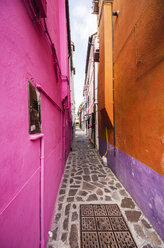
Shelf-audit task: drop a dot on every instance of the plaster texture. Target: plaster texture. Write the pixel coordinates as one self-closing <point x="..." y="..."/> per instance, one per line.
<point x="26" y="55"/>
<point x="145" y="185"/>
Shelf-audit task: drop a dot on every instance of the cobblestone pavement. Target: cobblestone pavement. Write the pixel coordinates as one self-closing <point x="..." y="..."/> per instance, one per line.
<point x="87" y="180"/>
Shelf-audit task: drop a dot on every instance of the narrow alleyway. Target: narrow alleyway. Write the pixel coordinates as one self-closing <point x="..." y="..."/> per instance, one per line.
<point x="87" y="181"/>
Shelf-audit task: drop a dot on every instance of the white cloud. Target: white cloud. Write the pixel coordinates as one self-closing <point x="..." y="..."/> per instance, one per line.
<point x="83" y="25"/>
<point x="84" y="22"/>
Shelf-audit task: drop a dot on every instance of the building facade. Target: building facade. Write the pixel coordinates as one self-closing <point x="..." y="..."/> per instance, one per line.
<point x="90" y="90"/>
<point x="35" y="117"/>
<point x="72" y="73"/>
<point x="130" y="98"/>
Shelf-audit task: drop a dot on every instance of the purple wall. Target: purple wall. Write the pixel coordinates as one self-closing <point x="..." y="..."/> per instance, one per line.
<point x="144" y="184"/>
<point x="26" y="55"/>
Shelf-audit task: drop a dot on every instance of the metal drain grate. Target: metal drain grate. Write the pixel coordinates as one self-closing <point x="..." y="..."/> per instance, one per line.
<point x="124" y="240"/>
<point x="118" y="223"/>
<point x="103" y="226"/>
<point x="99" y="210"/>
<point x="89" y="240"/>
<point x="103" y="223"/>
<point x="88" y="223"/>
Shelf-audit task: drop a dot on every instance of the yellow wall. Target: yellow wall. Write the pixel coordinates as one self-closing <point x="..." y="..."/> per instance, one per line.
<point x="105" y="84"/>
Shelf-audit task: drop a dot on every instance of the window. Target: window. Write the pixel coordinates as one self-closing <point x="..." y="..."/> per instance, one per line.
<point x="34" y="109"/>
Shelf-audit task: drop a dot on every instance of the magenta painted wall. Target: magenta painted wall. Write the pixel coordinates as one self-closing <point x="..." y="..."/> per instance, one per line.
<point x="26" y="55"/>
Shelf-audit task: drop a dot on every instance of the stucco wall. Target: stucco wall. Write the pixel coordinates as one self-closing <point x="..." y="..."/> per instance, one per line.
<point x="139" y="105"/>
<point x="26" y="55"/>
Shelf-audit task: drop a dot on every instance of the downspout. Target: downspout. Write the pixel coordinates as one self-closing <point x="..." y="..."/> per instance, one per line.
<point x="34" y="137"/>
<point x="94" y="100"/>
<point x="114" y="125"/>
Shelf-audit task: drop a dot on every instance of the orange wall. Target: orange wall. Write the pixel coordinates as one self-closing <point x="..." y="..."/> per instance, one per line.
<point x="105" y="88"/>
<point x="139" y="80"/>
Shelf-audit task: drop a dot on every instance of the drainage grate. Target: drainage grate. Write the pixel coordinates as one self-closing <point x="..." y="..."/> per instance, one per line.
<point x="87" y="210"/>
<point x="103" y="226"/>
<point x="103" y="223"/>
<point x="88" y="223"/>
<point x="118" y="223"/>
<point x="99" y="210"/>
<point x="124" y="240"/>
<point x="89" y="240"/>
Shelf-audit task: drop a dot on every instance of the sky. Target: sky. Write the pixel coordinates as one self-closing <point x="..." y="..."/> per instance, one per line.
<point x="83" y="24"/>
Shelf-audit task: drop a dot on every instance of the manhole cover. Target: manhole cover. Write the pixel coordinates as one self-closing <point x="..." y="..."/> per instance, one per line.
<point x="103" y="226"/>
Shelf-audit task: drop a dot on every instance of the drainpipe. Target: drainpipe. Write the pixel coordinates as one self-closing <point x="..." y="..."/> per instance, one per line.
<point x="94" y="101"/>
<point x="34" y="137"/>
<point x="114" y="125"/>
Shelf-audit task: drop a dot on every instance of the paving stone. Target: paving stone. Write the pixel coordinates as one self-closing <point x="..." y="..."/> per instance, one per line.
<point x="92" y="197"/>
<point x="70" y="199"/>
<point x="54" y="233"/>
<point x="79" y="198"/>
<point x="116" y="196"/>
<point x="107" y="190"/>
<point x="112" y="187"/>
<point x="66" y="176"/>
<point x="57" y="217"/>
<point x="94" y="178"/>
<point x="65" y="224"/>
<point x="87" y="178"/>
<point x="73" y="238"/>
<point x="71" y="181"/>
<point x="67" y="209"/>
<point x="88" y="186"/>
<point x="99" y="192"/>
<point x="79" y="173"/>
<point x="60" y="206"/>
<point x="147" y="246"/>
<point x="62" y="192"/>
<point x="127" y="203"/>
<point x="139" y="231"/>
<point x="108" y="198"/>
<point x="63" y="186"/>
<point x="74" y="216"/>
<point x="118" y="185"/>
<point x="61" y="198"/>
<point x="77" y="182"/>
<point x="72" y="192"/>
<point x="123" y="192"/>
<point x="86" y="171"/>
<point x="154" y="238"/>
<point x="78" y="178"/>
<point x="65" y="180"/>
<point x="133" y="215"/>
<point x="146" y="224"/>
<point x="64" y="236"/>
<point x="82" y="193"/>
<point x="74" y="206"/>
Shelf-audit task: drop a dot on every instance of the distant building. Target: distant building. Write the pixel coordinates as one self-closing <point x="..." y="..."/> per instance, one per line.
<point x="90" y="90"/>
<point x="72" y="73"/>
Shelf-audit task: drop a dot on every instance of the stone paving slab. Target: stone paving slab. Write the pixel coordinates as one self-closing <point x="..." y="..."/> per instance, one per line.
<point x="87" y="181"/>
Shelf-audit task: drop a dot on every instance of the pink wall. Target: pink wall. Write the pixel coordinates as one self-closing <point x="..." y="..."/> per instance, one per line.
<point x="26" y="55"/>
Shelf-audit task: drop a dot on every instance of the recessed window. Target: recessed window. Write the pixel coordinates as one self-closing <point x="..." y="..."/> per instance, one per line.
<point x="34" y="109"/>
